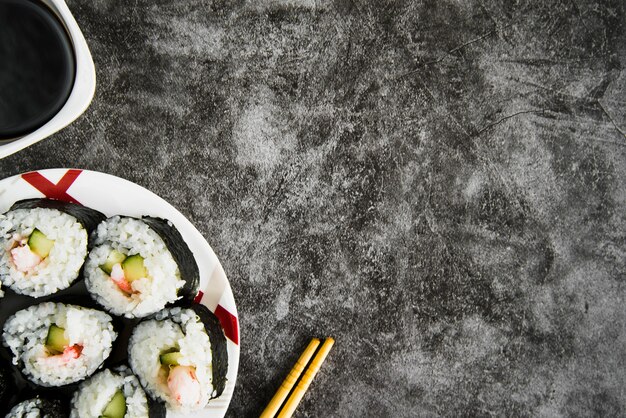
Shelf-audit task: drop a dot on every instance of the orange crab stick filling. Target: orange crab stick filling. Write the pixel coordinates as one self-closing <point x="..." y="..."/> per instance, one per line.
<point x="59" y="346"/>
<point x="124" y="270"/>
<point x="118" y="277"/>
<point x="28" y="252"/>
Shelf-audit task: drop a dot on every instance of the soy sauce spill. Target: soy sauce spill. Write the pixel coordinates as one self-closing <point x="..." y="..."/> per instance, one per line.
<point x="37" y="66"/>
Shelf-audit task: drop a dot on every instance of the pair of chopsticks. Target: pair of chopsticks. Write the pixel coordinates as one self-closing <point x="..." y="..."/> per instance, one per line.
<point x="297" y="394"/>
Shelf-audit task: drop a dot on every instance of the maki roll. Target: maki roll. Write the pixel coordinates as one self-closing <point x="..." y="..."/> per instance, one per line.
<point x="114" y="394"/>
<point x="138" y="266"/>
<point x="180" y="357"/>
<point x="39" y="408"/>
<point x="43" y="245"/>
<point x="55" y="344"/>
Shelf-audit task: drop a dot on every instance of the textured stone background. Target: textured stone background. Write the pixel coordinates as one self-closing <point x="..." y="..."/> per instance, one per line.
<point x="438" y="184"/>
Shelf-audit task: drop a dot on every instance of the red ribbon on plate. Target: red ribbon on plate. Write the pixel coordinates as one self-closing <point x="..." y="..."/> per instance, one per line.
<point x="49" y="189"/>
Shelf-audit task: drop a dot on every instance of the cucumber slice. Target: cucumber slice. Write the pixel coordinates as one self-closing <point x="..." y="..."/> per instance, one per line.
<point x="113" y="258"/>
<point x="133" y="268"/>
<point x="56" y="341"/>
<point x="170" y="359"/>
<point x="116" y="407"/>
<point x="40" y="244"/>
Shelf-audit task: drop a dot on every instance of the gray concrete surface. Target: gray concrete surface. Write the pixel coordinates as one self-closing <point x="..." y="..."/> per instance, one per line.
<point x="440" y="185"/>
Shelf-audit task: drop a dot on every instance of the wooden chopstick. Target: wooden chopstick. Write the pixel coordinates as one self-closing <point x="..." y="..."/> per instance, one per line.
<point x="303" y="384"/>
<point x="290" y="380"/>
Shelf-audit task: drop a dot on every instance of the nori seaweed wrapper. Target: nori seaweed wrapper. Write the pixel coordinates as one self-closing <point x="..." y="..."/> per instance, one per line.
<point x="89" y="218"/>
<point x="180" y="252"/>
<point x="50" y="408"/>
<point x="55" y="408"/>
<point x="219" y="351"/>
<point x="155" y="409"/>
<point x="6" y="384"/>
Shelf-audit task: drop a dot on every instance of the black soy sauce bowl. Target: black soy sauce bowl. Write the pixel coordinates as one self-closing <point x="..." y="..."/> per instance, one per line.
<point x="47" y="75"/>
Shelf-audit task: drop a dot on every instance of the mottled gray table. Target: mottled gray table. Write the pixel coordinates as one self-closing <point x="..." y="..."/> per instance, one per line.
<point x="438" y="184"/>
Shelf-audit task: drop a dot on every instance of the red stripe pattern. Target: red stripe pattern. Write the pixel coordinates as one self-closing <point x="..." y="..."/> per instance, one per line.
<point x="53" y="191"/>
<point x="228" y="320"/>
<point x="229" y="323"/>
<point x="198" y="297"/>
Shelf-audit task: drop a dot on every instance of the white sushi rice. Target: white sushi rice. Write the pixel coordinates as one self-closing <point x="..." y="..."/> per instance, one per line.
<point x="25" y="335"/>
<point x="31" y="408"/>
<point x="94" y="395"/>
<point x="60" y="268"/>
<point x="132" y="236"/>
<point x="173" y="328"/>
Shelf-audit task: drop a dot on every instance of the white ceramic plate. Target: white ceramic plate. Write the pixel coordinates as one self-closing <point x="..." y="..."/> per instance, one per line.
<point x="115" y="196"/>
<point x="81" y="94"/>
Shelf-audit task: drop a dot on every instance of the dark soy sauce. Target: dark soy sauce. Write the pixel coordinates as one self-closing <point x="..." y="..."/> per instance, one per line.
<point x="37" y="66"/>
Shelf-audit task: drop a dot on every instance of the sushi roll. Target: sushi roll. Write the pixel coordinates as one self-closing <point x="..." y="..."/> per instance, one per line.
<point x="44" y="244"/>
<point x="138" y="266"/>
<point x="114" y="394"/>
<point x="180" y="357"/>
<point x="55" y="344"/>
<point x="39" y="408"/>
